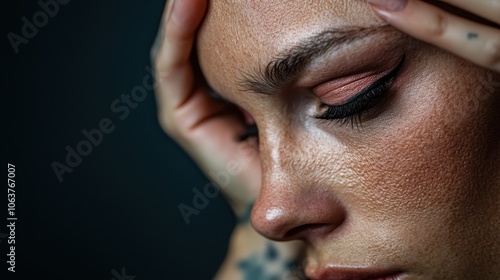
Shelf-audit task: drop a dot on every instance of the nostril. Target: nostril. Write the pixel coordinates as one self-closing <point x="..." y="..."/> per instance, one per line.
<point x="304" y="231"/>
<point x="284" y="216"/>
<point x="281" y="224"/>
<point x="299" y="231"/>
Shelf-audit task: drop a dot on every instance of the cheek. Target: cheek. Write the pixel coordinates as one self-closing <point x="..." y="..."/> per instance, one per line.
<point x="439" y="156"/>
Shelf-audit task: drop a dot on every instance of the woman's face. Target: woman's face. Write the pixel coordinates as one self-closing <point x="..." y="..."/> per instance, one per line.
<point x="411" y="183"/>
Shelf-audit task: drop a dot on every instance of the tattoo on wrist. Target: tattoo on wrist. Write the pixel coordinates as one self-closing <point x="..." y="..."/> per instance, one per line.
<point x="472" y="35"/>
<point x="268" y="265"/>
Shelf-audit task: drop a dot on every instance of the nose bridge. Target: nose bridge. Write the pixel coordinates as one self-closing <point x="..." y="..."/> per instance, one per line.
<point x="277" y="159"/>
<point x="292" y="204"/>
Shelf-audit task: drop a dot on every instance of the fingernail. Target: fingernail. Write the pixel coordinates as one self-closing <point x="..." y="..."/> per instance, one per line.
<point x="389" y="5"/>
<point x="170" y="8"/>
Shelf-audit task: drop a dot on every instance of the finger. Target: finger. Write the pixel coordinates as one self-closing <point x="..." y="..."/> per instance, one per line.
<point x="473" y="41"/>
<point x="488" y="9"/>
<point x="160" y="35"/>
<point x="174" y="73"/>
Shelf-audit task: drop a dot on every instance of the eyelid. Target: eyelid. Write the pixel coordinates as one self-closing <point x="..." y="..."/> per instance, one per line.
<point x="340" y="91"/>
<point x="362" y="101"/>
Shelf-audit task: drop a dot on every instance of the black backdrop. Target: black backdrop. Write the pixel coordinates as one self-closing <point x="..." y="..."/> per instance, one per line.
<point x="116" y="213"/>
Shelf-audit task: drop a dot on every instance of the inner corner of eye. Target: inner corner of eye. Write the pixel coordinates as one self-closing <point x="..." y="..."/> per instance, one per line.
<point x="321" y="106"/>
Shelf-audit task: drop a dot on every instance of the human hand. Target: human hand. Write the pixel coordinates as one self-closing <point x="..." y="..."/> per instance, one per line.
<point x="469" y="29"/>
<point x="208" y="129"/>
<point x="205" y="127"/>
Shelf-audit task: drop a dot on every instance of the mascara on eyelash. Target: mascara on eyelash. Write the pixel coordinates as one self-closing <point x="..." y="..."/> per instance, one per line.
<point x="251" y="131"/>
<point x="369" y="94"/>
<point x="383" y="80"/>
<point x="356" y="104"/>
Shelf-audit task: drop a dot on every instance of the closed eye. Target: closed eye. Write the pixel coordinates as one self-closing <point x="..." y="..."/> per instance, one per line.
<point x="349" y="112"/>
<point x="355" y="106"/>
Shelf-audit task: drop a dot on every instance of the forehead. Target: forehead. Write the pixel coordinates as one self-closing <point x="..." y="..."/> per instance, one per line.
<point x="238" y="36"/>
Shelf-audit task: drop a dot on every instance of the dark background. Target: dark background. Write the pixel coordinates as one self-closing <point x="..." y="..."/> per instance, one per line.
<point x="119" y="207"/>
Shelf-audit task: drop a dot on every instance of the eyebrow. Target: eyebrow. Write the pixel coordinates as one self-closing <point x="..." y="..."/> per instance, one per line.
<point x="286" y="66"/>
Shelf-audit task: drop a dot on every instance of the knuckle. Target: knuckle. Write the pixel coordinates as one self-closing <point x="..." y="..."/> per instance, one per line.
<point x="438" y="26"/>
<point x="172" y="128"/>
<point x="163" y="66"/>
<point x="167" y="124"/>
<point x="155" y="49"/>
<point x="159" y="61"/>
<point x="161" y="72"/>
<point x="493" y="52"/>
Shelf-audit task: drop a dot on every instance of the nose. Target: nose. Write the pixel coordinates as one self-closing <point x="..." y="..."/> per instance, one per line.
<point x="288" y="210"/>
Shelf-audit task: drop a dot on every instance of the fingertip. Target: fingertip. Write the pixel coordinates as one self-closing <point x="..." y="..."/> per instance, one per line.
<point x="400" y="14"/>
<point x="383" y="14"/>
<point x="389" y="5"/>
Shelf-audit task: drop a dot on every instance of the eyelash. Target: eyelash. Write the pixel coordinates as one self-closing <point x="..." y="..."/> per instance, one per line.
<point x="251" y="132"/>
<point x="350" y="112"/>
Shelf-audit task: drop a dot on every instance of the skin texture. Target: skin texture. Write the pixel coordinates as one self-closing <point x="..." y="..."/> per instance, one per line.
<point x="414" y="189"/>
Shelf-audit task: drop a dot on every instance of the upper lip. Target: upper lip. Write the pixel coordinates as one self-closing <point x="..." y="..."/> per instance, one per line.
<point x="339" y="273"/>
